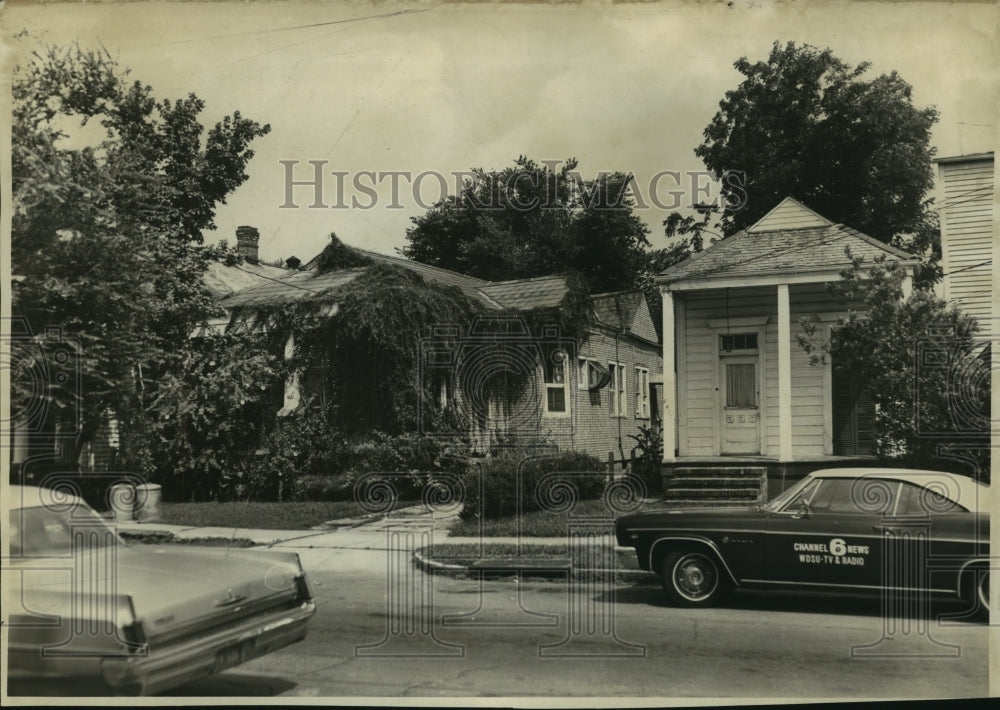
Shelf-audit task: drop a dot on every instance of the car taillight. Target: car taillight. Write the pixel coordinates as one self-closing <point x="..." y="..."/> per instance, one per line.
<point x="130" y="629"/>
<point x="135" y="637"/>
<point x="302" y="590"/>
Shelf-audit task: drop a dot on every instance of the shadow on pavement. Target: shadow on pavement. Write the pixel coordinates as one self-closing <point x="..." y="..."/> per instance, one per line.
<point x="233" y="684"/>
<point x="780" y="601"/>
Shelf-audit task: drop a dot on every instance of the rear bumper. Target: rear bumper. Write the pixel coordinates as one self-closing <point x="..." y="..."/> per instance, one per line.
<point x="166" y="668"/>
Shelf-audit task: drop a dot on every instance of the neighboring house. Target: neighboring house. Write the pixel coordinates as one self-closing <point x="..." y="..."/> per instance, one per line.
<point x="969" y="236"/>
<point x="738" y="389"/>
<point x="587" y="396"/>
<point x="59" y="445"/>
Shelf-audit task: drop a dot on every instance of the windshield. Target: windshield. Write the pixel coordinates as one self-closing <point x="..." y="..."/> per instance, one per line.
<point x="779" y="501"/>
<point x="58" y="531"/>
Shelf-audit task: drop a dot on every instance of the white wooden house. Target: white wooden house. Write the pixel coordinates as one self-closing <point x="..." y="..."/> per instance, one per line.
<point x="738" y="389"/>
<point x="969" y="238"/>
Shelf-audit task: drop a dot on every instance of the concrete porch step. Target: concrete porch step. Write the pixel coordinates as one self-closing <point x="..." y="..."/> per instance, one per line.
<point x="716" y="481"/>
<point x="685" y="492"/>
<point x="714" y="485"/>
<point x="713" y="471"/>
<point x="703" y="503"/>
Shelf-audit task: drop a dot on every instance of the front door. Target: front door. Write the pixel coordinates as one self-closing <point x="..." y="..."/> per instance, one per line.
<point x="740" y="406"/>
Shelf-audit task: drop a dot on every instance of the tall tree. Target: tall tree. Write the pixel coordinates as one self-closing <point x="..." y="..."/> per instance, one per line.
<point x="806" y="124"/>
<point x="533" y="219"/>
<point x="928" y="376"/>
<point x="106" y="234"/>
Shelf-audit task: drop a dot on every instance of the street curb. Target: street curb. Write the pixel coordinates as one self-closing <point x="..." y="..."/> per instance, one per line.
<point x="161" y="537"/>
<point x="447" y="569"/>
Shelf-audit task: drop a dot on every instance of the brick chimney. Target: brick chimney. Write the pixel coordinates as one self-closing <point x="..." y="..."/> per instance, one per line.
<point x="246" y="243"/>
<point x="293" y="263"/>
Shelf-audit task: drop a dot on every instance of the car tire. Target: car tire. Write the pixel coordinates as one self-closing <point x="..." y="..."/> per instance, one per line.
<point x="982" y="595"/>
<point x="694" y="578"/>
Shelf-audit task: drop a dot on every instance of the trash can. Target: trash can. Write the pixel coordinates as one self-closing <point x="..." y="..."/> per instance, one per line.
<point x="122" y="499"/>
<point x="147" y="502"/>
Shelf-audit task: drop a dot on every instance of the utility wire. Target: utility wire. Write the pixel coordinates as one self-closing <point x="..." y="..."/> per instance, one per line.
<point x="280" y="281"/>
<point x="967" y="268"/>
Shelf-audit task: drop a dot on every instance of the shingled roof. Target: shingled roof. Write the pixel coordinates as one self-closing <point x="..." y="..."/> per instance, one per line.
<point x="769" y="248"/>
<point x="625" y="311"/>
<point x="528" y="294"/>
<point x="297" y="286"/>
<point x="222" y="280"/>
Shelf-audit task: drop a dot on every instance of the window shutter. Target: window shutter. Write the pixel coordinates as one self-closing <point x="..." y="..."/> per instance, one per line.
<point x="853" y="416"/>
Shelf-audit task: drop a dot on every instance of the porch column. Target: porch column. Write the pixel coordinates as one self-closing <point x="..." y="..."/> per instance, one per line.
<point x="784" y="376"/>
<point x="292" y="393"/>
<point x="669" y="380"/>
<point x="907" y="285"/>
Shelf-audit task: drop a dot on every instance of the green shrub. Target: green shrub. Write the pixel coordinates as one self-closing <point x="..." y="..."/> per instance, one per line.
<point x="323" y="487"/>
<point x="418" y="458"/>
<point x="491" y="485"/>
<point x="301" y="444"/>
<point x="648" y="464"/>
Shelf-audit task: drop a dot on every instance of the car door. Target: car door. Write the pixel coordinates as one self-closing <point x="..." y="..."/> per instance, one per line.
<point x="830" y="534"/>
<point x="935" y="535"/>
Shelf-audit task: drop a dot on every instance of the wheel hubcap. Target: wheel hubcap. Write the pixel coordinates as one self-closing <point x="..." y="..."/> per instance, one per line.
<point x="695" y="577"/>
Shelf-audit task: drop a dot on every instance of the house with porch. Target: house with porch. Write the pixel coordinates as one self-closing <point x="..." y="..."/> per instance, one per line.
<point x="742" y="404"/>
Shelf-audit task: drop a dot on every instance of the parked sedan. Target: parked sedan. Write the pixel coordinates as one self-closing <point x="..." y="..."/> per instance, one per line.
<point x="836" y="530"/>
<point x="91" y="614"/>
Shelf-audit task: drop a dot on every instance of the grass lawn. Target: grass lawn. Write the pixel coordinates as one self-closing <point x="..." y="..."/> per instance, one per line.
<point x="263" y="516"/>
<point x="539" y="523"/>
<point x="465" y="553"/>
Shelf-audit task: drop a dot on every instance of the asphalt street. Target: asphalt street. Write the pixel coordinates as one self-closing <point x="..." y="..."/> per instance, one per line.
<point x="385" y="629"/>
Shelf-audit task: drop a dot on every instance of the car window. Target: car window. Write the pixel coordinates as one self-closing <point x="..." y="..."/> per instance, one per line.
<point x="58" y="531"/>
<point x="857" y="496"/>
<point x="918" y="500"/>
<point x="803" y="496"/>
<point x="783" y="500"/>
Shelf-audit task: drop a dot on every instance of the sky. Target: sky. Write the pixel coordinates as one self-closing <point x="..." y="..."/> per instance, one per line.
<point x="374" y="88"/>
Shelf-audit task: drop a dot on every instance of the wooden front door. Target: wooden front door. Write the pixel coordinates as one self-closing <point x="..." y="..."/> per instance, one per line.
<point x="740" y="394"/>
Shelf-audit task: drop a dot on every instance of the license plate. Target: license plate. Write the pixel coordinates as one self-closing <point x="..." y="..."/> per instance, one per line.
<point x="232" y="655"/>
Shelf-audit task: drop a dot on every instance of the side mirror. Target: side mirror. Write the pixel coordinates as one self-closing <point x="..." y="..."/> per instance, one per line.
<point x="802" y="512"/>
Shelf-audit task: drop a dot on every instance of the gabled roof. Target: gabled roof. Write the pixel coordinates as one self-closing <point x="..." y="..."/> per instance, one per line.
<point x="774" y="249"/>
<point x="469" y="285"/>
<point x="625" y="311"/>
<point x="222" y="280"/>
<point x="297" y="286"/>
<point x="528" y="294"/>
<point x="789" y="214"/>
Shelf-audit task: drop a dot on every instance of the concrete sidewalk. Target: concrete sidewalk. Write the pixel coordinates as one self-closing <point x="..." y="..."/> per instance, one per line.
<point x="409" y="527"/>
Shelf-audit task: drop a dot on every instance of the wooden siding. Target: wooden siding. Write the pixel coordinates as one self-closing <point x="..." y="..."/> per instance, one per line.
<point x="789" y="214"/>
<point x="967" y="233"/>
<point x="810" y="396"/>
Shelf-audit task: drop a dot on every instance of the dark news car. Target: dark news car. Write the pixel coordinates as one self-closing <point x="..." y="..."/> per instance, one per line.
<point x="838" y="529"/>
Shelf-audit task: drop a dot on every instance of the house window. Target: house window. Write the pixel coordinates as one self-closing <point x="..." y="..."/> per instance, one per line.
<point x="556" y="383"/>
<point x="741" y="385"/>
<point x="641" y="393"/>
<point x="591" y="375"/>
<point x="853" y="415"/>
<point x="739" y="341"/>
<point x="616" y="386"/>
